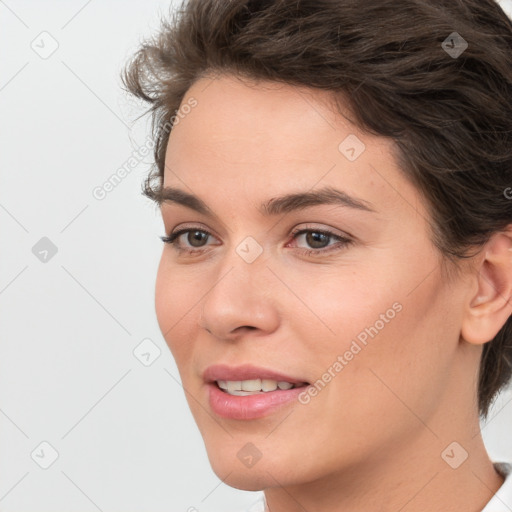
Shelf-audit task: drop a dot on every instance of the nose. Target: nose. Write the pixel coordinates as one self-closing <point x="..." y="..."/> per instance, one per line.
<point x="242" y="299"/>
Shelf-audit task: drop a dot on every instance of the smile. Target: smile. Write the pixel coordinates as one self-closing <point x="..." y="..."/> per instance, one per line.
<point x="254" y="386"/>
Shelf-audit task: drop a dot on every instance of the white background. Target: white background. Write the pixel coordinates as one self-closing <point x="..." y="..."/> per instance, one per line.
<point x="68" y="376"/>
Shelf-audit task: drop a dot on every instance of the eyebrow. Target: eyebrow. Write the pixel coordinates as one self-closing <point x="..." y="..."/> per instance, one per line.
<point x="274" y="206"/>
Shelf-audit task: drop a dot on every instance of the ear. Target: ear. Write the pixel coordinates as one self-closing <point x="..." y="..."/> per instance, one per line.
<point x="491" y="305"/>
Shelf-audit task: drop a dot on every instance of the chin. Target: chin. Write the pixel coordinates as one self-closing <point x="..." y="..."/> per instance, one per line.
<point x="235" y="474"/>
<point x="248" y="482"/>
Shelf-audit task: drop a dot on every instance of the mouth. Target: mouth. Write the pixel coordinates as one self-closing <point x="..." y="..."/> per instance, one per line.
<point x="256" y="386"/>
<point x="248" y="392"/>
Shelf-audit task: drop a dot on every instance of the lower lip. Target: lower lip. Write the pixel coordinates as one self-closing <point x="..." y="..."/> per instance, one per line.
<point x="250" y="407"/>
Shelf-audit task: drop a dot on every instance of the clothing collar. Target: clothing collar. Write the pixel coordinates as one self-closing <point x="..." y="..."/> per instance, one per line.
<point x="502" y="500"/>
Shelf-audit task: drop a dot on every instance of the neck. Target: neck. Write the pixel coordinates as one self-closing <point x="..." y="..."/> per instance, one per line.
<point x="411" y="476"/>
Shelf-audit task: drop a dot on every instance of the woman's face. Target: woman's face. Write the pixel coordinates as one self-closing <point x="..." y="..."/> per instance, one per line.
<point x="369" y="323"/>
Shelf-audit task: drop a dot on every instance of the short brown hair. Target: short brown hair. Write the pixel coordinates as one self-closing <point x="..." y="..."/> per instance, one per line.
<point x="449" y="115"/>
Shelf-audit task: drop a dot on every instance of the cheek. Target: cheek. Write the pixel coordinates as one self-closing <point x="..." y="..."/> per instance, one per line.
<point x="384" y="337"/>
<point x="164" y="306"/>
<point x="344" y="305"/>
<point x="174" y="303"/>
<point x="406" y="366"/>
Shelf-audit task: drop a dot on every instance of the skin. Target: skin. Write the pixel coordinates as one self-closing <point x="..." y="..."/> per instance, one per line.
<point x="372" y="439"/>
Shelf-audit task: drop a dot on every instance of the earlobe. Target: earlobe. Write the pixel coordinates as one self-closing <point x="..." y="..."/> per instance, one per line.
<point x="490" y="305"/>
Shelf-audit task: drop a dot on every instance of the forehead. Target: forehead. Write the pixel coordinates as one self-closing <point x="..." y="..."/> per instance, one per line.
<point x="247" y="112"/>
<point x="246" y="137"/>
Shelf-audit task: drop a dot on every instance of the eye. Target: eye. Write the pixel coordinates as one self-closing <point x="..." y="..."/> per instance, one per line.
<point x="318" y="239"/>
<point x="195" y="237"/>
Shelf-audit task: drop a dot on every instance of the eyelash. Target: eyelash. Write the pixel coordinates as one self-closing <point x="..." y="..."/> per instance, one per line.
<point x="342" y="241"/>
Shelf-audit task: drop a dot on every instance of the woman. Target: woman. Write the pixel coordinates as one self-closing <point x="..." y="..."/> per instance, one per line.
<point x="335" y="184"/>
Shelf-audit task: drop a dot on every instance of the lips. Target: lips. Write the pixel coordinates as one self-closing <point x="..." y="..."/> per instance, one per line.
<point x="249" y="405"/>
<point x="247" y="372"/>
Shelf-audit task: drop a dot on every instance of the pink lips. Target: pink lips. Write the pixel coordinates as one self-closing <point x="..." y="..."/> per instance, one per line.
<point x="252" y="406"/>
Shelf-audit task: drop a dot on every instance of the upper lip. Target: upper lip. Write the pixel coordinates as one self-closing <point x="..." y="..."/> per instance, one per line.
<point x="245" y="372"/>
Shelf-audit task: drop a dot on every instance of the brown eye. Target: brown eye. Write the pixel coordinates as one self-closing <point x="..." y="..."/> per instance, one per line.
<point x="317" y="239"/>
<point x="196" y="237"/>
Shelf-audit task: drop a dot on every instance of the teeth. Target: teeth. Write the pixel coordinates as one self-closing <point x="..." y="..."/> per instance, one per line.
<point x="234" y="385"/>
<point x="237" y="392"/>
<point x="252" y="386"/>
<point x="268" y="385"/>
